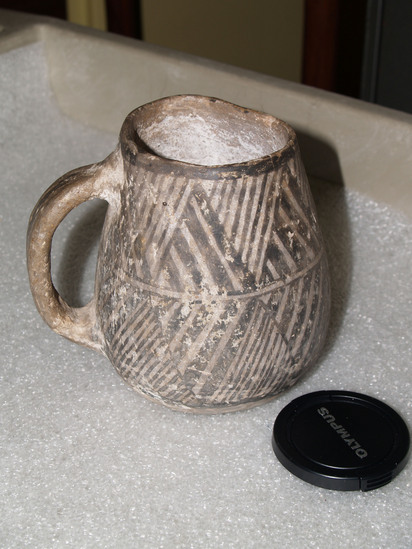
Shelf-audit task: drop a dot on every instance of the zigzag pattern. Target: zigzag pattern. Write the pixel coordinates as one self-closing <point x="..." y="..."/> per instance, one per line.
<point x="232" y="352"/>
<point x="222" y="234"/>
<point x="216" y="295"/>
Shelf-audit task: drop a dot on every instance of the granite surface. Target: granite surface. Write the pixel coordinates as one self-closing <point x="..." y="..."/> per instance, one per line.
<point x="86" y="462"/>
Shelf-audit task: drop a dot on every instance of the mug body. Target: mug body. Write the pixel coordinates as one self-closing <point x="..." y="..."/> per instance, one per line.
<point x="212" y="285"/>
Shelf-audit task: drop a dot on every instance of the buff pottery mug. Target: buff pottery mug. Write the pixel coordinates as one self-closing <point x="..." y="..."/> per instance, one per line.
<point x="212" y="288"/>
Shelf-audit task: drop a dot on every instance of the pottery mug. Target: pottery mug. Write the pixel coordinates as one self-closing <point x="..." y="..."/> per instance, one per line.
<point x="211" y="289"/>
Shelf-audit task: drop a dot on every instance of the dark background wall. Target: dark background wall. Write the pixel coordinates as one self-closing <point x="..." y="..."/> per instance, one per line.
<point x="360" y="48"/>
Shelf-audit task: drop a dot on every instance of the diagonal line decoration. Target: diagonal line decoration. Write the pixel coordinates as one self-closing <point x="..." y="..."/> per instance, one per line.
<point x="226" y="299"/>
<point x="224" y="236"/>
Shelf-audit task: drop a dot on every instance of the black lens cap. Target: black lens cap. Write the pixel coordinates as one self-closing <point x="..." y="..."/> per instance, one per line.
<point x="341" y="440"/>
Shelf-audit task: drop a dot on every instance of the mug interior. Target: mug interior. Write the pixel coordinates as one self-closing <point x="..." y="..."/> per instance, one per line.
<point x="208" y="132"/>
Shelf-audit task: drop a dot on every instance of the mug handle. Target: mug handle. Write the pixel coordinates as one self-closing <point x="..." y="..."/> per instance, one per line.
<point x="77" y="186"/>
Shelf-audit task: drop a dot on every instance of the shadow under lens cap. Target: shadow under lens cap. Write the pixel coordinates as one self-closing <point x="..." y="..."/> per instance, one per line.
<point x="341" y="440"/>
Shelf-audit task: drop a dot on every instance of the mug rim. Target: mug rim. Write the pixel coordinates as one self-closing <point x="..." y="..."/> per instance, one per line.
<point x="136" y="150"/>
